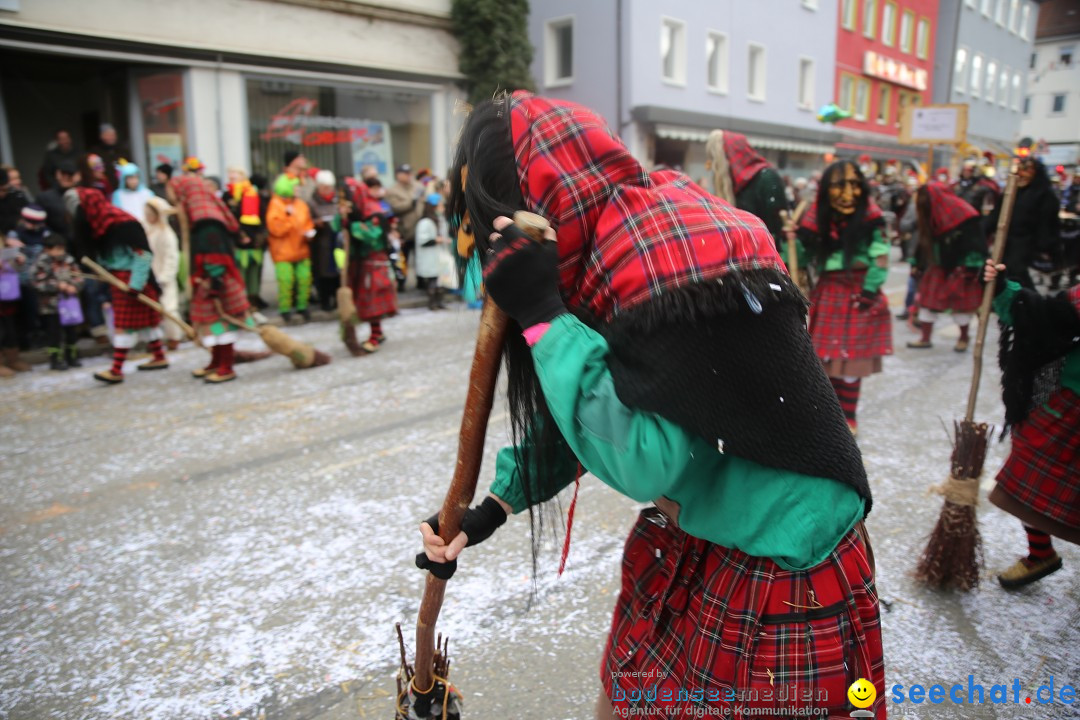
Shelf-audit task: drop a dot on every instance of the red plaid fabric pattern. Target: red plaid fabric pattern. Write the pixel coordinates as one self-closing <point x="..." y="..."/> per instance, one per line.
<point x="373" y="286"/>
<point x="200" y="202"/>
<point x="947" y="210"/>
<point x="841" y="331"/>
<point x="743" y="160"/>
<point x="129" y="313"/>
<point x="233" y="299"/>
<point x="1041" y="472"/>
<point x="100" y="213"/>
<point x="960" y="291"/>
<point x="625" y="236"/>
<point x="714" y="622"/>
<point x="1074" y="297"/>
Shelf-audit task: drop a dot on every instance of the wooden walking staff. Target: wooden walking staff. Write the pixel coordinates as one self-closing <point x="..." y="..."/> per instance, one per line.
<point x="791" y="224"/>
<point x="482" y="381"/>
<point x="953" y="555"/>
<point x="122" y="286"/>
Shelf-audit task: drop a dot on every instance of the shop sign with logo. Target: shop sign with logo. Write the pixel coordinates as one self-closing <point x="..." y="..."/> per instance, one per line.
<point x="885" y="68"/>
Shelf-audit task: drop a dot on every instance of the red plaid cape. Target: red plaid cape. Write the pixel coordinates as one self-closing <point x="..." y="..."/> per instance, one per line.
<point x="743" y="160"/>
<point x="100" y="213"/>
<point x="625" y="236"/>
<point x="200" y="202"/>
<point x="947" y="210"/>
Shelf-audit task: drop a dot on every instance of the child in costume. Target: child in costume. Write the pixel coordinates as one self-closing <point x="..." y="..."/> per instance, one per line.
<point x="56" y="275"/>
<point x="432" y="248"/>
<point x="841" y="233"/>
<point x="370" y="275"/>
<point x="947" y="262"/>
<point x="165" y="247"/>
<point x="1040" y="363"/>
<point x="248" y="205"/>
<point x="745" y="179"/>
<point x="117" y="241"/>
<point x="660" y="346"/>
<point x="324" y="211"/>
<point x="288" y="220"/>
<point x="132" y="195"/>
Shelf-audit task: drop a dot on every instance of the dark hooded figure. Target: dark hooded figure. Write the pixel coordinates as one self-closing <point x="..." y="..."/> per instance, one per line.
<point x="1033" y="228"/>
<point x="659" y="345"/>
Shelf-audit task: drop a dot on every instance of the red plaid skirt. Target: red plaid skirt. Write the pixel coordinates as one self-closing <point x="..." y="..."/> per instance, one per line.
<point x="843" y="332"/>
<point x="960" y="291"/>
<point x="698" y="625"/>
<point x="374" y="287"/>
<point x="233" y="301"/>
<point x="1043" y="470"/>
<point x="129" y="313"/>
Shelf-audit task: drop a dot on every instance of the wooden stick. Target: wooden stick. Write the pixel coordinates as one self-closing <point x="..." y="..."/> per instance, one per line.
<point x="996" y="253"/>
<point x="482" y="380"/>
<point x="106" y="276"/>
<point x="791" y="223"/>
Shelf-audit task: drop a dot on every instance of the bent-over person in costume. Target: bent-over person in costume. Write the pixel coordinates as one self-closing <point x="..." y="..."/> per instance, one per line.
<point x="947" y="262"/>
<point x="117" y="241"/>
<point x="841" y="235"/>
<point x="1040" y="364"/>
<point x="743" y="178"/>
<point x="660" y="346"/>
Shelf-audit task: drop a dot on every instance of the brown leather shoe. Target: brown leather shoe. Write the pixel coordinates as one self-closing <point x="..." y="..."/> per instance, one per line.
<point x="216" y="378"/>
<point x="961" y="346"/>
<point x="155" y="365"/>
<point x="1024" y="571"/>
<point x="108" y="376"/>
<point x="920" y="344"/>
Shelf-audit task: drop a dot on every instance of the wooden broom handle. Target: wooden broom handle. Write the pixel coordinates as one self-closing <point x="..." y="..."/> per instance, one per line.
<point x="122" y="286"/>
<point x="483" y="378"/>
<point x="998" y="250"/>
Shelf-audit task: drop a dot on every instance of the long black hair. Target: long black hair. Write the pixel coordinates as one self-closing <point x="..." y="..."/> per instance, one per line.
<point x="486" y="152"/>
<point x="850" y="228"/>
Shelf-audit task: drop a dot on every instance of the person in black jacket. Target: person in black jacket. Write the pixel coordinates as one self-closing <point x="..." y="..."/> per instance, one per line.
<point x="1033" y="229"/>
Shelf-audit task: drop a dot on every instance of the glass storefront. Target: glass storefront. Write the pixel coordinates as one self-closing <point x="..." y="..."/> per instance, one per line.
<point x="161" y="100"/>
<point x="341" y="128"/>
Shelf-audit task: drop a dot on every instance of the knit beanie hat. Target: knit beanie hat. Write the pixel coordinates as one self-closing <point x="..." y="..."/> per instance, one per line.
<point x="285" y="186"/>
<point x="325" y="177"/>
<point x="33" y="213"/>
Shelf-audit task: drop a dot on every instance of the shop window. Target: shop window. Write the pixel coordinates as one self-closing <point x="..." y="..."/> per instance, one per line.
<point x="755" y="88"/>
<point x="907" y="31"/>
<point x="888" y="24"/>
<point x="847" y="14"/>
<point x="869" y="18"/>
<point x="884" y="96"/>
<point x="922" y="39"/>
<point x="337" y="127"/>
<point x="161" y="100"/>
<point x="976" y="75"/>
<point x="806" y="83"/>
<point x="991" y="81"/>
<point x="716" y="51"/>
<point x="1058" y="105"/>
<point x="559" y="52"/>
<point x="862" y="99"/>
<point x="960" y="70"/>
<point x="673" y="51"/>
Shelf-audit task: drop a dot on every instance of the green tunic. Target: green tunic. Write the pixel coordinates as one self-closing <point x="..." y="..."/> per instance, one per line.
<point x="764" y="197"/>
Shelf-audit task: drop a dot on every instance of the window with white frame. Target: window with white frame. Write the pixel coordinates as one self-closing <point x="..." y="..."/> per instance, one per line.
<point x="922" y="39"/>
<point x="862" y="99"/>
<point x="888" y="24"/>
<point x="1014" y="16"/>
<point x="810" y="4"/>
<point x="559" y="52"/>
<point x="988" y="8"/>
<point x="673" y="51"/>
<point x="806" y="83"/>
<point x="1025" y="18"/>
<point x="1003" y="88"/>
<point x="847" y="14"/>
<point x="999" y="12"/>
<point x="1058" y="104"/>
<point x="907" y="31"/>
<point x="884" y="95"/>
<point x="1065" y="55"/>
<point x="846" y="98"/>
<point x="869" y="18"/>
<point x="1027" y="105"/>
<point x="1016" y="91"/>
<point x="755" y="82"/>
<point x="1034" y="61"/>
<point x="991" y="81"/>
<point x="960" y="70"/>
<point x="976" y="75"/>
<point x="716" y="53"/>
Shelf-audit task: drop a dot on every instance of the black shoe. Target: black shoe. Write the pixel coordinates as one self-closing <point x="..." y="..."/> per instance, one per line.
<point x="286" y="317"/>
<point x="73" y="360"/>
<point x="306" y="314"/>
<point x="56" y="362"/>
<point x="903" y="316"/>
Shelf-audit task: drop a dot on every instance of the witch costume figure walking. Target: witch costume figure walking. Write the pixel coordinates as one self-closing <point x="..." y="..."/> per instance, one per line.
<point x="659" y="346"/>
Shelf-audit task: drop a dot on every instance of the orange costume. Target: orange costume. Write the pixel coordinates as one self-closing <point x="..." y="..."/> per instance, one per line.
<point x="288" y="221"/>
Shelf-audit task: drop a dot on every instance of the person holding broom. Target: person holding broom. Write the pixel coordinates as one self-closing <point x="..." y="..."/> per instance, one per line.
<point x="118" y="241"/>
<point x="369" y="274"/>
<point x="659" y="345"/>
<point x="849" y="314"/>
<point x="947" y="261"/>
<point x="1040" y="481"/>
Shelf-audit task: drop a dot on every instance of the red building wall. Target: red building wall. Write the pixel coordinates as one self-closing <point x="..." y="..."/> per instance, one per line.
<point x="889" y="74"/>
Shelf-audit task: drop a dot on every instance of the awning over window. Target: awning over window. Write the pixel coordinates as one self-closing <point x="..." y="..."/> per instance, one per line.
<point x="761" y="142"/>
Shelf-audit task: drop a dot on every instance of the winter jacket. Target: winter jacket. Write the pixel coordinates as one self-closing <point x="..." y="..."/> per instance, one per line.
<point x="47" y="273"/>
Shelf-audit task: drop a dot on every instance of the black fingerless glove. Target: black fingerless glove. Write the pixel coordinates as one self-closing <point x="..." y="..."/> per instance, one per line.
<point x="522" y="276"/>
<point x="866" y="299"/>
<point x="479" y="523"/>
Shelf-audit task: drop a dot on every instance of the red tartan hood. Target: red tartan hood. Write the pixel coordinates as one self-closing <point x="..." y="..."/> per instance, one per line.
<point x="100" y="213"/>
<point x="743" y="160"/>
<point x="947" y="210"/>
<point x="625" y="236"/>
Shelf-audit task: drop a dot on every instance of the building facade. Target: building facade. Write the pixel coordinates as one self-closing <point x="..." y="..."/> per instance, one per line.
<point x="347" y="83"/>
<point x="666" y="74"/>
<point x="884" y="63"/>
<point x="983" y="50"/>
<point x="1051" y="106"/>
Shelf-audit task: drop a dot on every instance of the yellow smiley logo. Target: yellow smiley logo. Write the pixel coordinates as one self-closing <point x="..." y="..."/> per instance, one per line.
<point x="862" y="693"/>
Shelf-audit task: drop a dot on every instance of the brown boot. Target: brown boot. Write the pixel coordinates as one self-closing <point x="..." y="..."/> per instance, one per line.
<point x="11" y="359"/>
